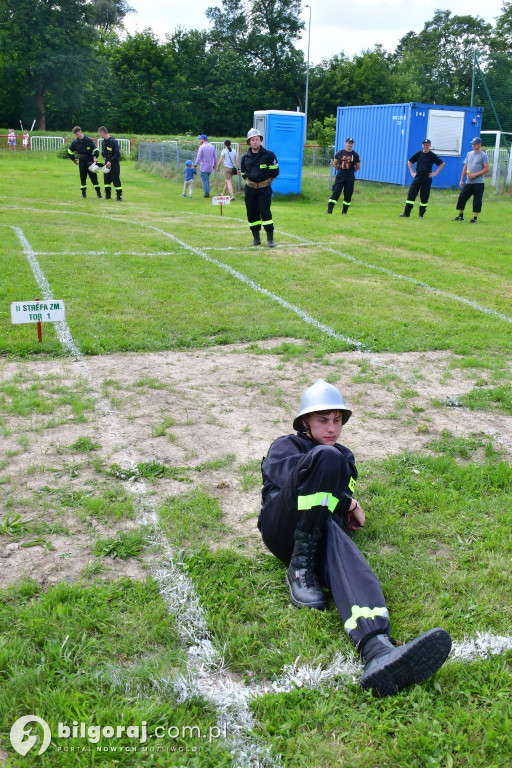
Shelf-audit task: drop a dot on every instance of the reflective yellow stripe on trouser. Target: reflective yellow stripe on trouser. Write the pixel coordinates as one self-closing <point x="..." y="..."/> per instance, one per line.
<point x="320" y="499"/>
<point x="359" y="612"/>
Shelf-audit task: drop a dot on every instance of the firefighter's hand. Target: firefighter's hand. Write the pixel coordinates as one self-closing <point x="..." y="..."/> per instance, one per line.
<point x="75" y="161"/>
<point x="108" y="164"/>
<point x="356" y="517"/>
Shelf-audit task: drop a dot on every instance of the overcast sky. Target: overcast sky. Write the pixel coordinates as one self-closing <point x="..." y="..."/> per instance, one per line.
<point x="335" y="27"/>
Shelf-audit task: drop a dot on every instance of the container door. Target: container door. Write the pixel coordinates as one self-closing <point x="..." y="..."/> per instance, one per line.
<point x="445" y="129"/>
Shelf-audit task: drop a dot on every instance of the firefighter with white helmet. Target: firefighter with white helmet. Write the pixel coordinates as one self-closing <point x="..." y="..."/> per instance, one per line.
<point x="259" y="168"/>
<point x="111" y="155"/>
<point x="87" y="153"/>
<point x="307" y="519"/>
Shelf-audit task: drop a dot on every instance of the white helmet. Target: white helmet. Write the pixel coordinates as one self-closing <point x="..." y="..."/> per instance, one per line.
<point x="94" y="167"/>
<point x="104" y="169"/>
<point x="254" y="132"/>
<point x="321" y="396"/>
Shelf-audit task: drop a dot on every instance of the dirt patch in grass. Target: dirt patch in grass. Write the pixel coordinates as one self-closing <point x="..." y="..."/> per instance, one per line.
<point x="192" y="418"/>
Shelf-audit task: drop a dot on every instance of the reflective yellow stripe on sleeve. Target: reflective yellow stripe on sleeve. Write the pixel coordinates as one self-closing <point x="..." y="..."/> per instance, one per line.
<point x="320" y="499"/>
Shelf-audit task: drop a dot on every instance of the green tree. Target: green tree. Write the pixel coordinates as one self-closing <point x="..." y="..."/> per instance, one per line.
<point x="440" y="57"/>
<point x="48" y="47"/>
<point x="330" y="86"/>
<point x="502" y="37"/>
<point x="263" y="34"/>
<point x="108" y="15"/>
<point x="324" y="134"/>
<point x="150" y="86"/>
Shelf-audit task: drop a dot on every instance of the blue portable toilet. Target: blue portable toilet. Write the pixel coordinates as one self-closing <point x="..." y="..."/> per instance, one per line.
<point x="387" y="135"/>
<point x="283" y="133"/>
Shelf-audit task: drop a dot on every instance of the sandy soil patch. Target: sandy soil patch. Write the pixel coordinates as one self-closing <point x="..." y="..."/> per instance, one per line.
<point x="227" y="400"/>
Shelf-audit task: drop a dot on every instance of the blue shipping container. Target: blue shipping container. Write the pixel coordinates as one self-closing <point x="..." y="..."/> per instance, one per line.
<point x="387" y="135"/>
<point x="283" y="133"/>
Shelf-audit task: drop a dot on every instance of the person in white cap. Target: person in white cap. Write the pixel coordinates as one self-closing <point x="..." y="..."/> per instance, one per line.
<point x="475" y="168"/>
<point x="307" y="517"/>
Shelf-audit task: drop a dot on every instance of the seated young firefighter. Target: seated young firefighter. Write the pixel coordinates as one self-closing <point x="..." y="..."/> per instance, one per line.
<point x="307" y="514"/>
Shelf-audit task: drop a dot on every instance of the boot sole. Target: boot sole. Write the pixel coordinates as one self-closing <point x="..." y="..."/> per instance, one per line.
<point x="420" y="659"/>
<point x="319" y="605"/>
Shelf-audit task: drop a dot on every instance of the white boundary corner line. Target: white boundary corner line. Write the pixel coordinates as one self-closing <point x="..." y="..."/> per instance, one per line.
<point x="308" y="319"/>
<point x="302" y="242"/>
<point x="61" y="327"/>
<point x="256" y="287"/>
<point x="412" y="280"/>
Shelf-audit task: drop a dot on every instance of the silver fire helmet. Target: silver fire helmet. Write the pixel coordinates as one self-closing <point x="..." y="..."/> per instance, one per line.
<point x="94" y="168"/>
<point x="104" y="169"/>
<point x="321" y="396"/>
<point x="252" y="133"/>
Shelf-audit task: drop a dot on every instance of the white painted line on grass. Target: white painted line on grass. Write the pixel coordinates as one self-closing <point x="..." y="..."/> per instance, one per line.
<point x="105" y="253"/>
<point x="256" y="287"/>
<point x="308" y="319"/>
<point x="412" y="280"/>
<point x="482" y="646"/>
<point x="206" y="671"/>
<point x="61" y="327"/>
<point x="302" y="241"/>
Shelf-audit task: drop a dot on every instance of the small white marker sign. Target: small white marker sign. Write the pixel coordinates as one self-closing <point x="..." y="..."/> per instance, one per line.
<point x="44" y="311"/>
<point x="221" y="200"/>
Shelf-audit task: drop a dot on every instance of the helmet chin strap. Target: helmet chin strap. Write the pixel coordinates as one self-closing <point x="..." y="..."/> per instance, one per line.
<point x="305" y="423"/>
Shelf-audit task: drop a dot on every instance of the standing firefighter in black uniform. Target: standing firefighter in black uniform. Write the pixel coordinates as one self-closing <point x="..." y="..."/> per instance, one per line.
<point x="423" y="176"/>
<point x="307" y="519"/>
<point x="112" y="155"/>
<point x="259" y="168"/>
<point x="347" y="163"/>
<point x="87" y="153"/>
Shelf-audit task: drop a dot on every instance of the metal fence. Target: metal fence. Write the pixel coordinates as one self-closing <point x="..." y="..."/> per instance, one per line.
<point x="46" y="143"/>
<point x="219" y="146"/>
<point x="170" y="160"/>
<point x="125" y="145"/>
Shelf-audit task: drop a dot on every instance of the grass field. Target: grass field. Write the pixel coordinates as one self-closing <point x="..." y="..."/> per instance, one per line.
<point x="135" y="590"/>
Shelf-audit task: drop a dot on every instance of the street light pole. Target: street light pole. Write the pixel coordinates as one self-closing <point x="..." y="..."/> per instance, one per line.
<point x="307" y="78"/>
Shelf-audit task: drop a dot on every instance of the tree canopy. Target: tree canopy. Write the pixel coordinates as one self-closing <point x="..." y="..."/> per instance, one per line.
<point x="73" y="62"/>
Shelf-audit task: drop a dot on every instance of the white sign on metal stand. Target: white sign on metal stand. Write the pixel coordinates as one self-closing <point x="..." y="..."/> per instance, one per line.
<point x="42" y="311"/>
<point x="221" y="200"/>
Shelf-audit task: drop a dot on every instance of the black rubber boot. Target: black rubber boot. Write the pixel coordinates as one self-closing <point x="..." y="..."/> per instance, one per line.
<point x="345" y="209"/>
<point x="119" y="195"/>
<point x="98" y="192"/>
<point x="108" y="193"/>
<point x="330" y="207"/>
<point x="301" y="578"/>
<point x="423" y="210"/>
<point x="407" y="211"/>
<point x="388" y="669"/>
<point x="256" y="236"/>
<point x="270" y="239"/>
<point x="84" y="192"/>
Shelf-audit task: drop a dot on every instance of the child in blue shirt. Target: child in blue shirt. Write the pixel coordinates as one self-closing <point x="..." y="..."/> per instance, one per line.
<point x="190" y="172"/>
